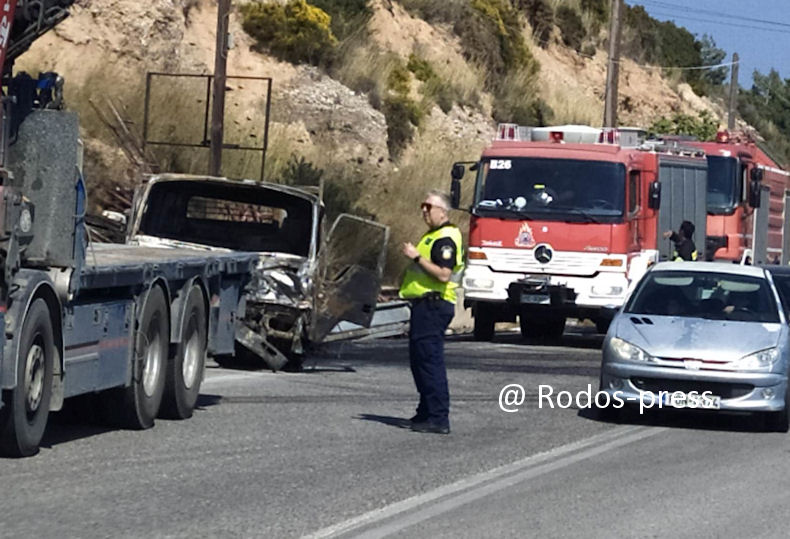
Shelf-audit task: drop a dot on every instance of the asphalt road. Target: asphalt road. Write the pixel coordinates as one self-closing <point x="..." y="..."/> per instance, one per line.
<point x="324" y="453"/>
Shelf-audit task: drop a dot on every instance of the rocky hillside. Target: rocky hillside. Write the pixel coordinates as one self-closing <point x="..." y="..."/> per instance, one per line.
<point x="106" y="47"/>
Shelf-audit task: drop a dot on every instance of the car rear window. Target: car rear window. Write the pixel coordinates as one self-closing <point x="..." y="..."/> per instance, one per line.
<point x="715" y="296"/>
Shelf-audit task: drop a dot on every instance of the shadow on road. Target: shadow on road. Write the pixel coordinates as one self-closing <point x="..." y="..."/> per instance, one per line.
<point x="570" y="339"/>
<point x="399" y="422"/>
<point x="682" y="419"/>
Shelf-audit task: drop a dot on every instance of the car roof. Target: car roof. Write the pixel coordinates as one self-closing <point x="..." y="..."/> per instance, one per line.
<point x="711" y="267"/>
<point x="776" y="269"/>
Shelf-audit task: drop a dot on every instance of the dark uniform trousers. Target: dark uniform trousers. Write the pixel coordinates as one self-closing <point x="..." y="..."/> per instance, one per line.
<point x="429" y="321"/>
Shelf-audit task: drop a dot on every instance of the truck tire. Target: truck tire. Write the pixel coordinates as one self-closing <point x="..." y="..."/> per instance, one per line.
<point x="26" y="407"/>
<point x="485" y="323"/>
<point x="185" y="371"/>
<point x="547" y="327"/>
<point x="143" y="397"/>
<point x="602" y="325"/>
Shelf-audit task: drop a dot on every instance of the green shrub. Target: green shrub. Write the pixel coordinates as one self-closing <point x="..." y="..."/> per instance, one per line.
<point x="348" y="16"/>
<point x="295" y="32"/>
<point x="571" y="27"/>
<point x="402" y="115"/>
<point x="421" y="68"/>
<point x="399" y="80"/>
<point x="516" y="101"/>
<point x="540" y="17"/>
<point x="703" y="126"/>
<point x="598" y="10"/>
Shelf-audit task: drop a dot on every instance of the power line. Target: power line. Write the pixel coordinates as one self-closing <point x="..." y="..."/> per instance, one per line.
<point x="732" y="24"/>
<point x="668" y="5"/>
<point x="689" y="68"/>
<point x="647" y="66"/>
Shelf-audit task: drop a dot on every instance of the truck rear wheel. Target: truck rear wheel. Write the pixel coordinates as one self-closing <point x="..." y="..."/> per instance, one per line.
<point x="484" y="322"/>
<point x="141" y="400"/>
<point x="185" y="371"/>
<point x="26" y="407"/>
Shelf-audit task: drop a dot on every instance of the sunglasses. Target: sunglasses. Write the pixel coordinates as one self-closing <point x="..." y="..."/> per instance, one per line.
<point x="427" y="207"/>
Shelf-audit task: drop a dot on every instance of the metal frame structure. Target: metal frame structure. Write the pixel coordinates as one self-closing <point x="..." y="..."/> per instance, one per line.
<point x="206" y="142"/>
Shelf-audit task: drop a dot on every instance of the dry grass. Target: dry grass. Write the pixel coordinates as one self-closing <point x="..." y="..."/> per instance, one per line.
<point x="365" y="68"/>
<point x="398" y="200"/>
<point x="571" y="107"/>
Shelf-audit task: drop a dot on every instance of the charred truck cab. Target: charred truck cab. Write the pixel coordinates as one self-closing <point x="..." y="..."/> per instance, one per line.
<point x="307" y="278"/>
<point x="565" y="219"/>
<point x="747" y="197"/>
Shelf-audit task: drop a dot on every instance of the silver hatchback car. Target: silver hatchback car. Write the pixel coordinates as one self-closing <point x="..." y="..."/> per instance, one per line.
<point x="701" y="335"/>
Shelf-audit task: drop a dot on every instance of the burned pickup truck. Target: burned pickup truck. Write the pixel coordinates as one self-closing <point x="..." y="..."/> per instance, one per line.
<point x="307" y="278"/>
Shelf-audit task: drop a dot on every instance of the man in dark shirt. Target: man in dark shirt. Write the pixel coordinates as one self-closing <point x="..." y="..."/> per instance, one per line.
<point x="684" y="246"/>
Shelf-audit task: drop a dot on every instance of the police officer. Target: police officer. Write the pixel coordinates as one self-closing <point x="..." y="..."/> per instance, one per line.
<point x="684" y="246"/>
<point x="430" y="283"/>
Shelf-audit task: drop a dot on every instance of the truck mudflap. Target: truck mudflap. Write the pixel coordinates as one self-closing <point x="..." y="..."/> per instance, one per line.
<point x="257" y="344"/>
<point x="538" y="291"/>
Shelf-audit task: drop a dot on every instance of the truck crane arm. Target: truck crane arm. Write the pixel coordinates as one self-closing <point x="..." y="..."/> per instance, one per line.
<point x="24" y="21"/>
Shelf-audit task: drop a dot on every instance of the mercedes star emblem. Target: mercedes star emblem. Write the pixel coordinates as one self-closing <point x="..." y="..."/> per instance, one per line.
<point x="543" y="254"/>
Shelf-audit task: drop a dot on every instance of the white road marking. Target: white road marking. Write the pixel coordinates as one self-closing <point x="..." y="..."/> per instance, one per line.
<point x="452" y="496"/>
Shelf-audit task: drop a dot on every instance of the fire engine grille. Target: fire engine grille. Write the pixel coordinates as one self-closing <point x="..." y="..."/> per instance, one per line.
<point x="561" y="263"/>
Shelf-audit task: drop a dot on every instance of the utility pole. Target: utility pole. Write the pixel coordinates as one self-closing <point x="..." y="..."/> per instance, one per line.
<point x="733" y="93"/>
<point x="218" y="100"/>
<point x="613" y="68"/>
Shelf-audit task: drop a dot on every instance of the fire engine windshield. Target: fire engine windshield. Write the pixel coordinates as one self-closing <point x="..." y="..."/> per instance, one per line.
<point x="552" y="189"/>
<point x="724" y="184"/>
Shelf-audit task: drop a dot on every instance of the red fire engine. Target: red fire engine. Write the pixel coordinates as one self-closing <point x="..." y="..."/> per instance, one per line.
<point x="746" y="201"/>
<point x="565" y="219"/>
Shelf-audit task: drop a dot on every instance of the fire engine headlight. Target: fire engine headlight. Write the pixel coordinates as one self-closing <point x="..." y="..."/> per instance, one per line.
<point x="758" y="360"/>
<point x="606" y="290"/>
<point x="478" y="283"/>
<point x="624" y="350"/>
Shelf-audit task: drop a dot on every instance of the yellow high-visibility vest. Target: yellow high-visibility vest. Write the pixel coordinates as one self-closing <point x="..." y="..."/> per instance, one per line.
<point x="417" y="282"/>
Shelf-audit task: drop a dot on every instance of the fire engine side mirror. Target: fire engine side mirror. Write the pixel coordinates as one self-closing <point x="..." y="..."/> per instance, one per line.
<point x="455" y="193"/>
<point x="654" y="196"/>
<point x="755" y="186"/>
<point x="457" y="173"/>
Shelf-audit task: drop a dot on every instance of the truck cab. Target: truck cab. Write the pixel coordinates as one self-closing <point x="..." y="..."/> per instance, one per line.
<point x="565" y="219"/>
<point x="308" y="277"/>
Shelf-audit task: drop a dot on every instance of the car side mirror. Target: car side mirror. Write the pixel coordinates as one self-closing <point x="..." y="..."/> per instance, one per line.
<point x="654" y="196"/>
<point x="756" y="174"/>
<point x="458" y="171"/>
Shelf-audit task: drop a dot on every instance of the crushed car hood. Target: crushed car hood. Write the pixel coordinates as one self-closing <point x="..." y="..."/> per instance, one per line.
<point x="698" y="338"/>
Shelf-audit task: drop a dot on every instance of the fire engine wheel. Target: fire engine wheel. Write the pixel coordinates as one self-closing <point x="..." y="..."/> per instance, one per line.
<point x="26" y="407"/>
<point x="144" y="395"/>
<point x="543" y="327"/>
<point x="485" y="323"/>
<point x="185" y="370"/>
